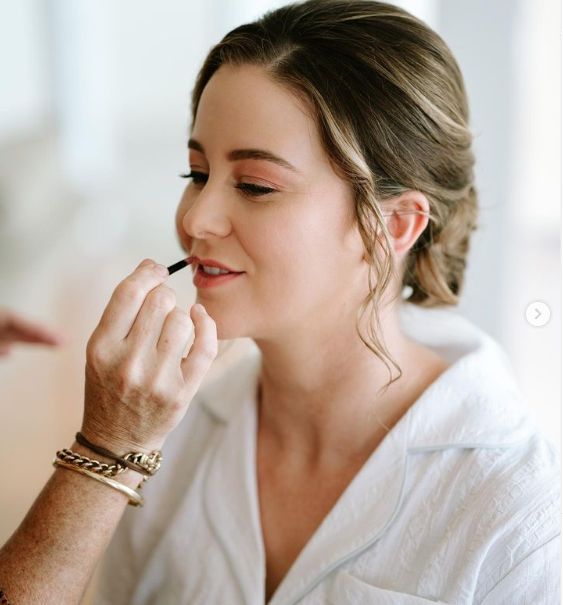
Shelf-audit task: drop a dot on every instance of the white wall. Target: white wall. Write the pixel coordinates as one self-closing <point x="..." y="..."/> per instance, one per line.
<point x="509" y="53"/>
<point x="25" y="89"/>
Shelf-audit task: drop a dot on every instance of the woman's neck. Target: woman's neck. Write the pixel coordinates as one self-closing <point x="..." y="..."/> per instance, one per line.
<point x="318" y="403"/>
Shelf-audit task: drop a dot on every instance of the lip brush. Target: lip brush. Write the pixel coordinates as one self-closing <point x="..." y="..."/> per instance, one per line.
<point x="180" y="264"/>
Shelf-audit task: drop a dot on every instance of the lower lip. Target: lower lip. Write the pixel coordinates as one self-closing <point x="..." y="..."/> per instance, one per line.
<point x="204" y="280"/>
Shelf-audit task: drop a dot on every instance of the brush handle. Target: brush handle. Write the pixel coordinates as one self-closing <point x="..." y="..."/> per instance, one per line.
<point x="180" y="265"/>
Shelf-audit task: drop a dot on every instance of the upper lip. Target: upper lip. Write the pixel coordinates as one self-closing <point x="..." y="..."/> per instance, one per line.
<point x="209" y="262"/>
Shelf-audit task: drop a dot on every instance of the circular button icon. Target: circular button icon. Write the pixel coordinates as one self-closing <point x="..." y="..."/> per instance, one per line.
<point x="538" y="313"/>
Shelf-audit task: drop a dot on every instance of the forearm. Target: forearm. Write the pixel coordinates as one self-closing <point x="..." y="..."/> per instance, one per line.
<point x="52" y="555"/>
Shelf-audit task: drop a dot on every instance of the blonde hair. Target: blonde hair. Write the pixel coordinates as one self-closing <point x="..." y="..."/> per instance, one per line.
<point x="390" y="104"/>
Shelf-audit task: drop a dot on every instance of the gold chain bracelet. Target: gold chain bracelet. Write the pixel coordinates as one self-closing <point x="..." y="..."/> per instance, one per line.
<point x="108" y="470"/>
<point x="146" y="464"/>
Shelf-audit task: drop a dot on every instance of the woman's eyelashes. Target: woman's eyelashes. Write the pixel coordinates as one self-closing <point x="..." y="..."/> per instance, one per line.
<point x="200" y="178"/>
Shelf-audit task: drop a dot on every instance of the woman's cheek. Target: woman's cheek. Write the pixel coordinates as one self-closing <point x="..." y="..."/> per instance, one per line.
<point x="185" y="240"/>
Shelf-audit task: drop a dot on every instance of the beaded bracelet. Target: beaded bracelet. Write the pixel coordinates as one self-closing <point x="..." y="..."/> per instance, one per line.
<point x="3" y="598"/>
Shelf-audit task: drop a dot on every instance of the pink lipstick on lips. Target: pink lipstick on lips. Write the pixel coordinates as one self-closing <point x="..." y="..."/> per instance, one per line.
<point x="202" y="279"/>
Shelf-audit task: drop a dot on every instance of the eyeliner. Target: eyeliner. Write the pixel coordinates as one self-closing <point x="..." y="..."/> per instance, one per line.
<point x="180" y="264"/>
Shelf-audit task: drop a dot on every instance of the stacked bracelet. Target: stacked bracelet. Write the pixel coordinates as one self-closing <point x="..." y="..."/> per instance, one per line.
<point x="134" y="498"/>
<point x="146" y="464"/>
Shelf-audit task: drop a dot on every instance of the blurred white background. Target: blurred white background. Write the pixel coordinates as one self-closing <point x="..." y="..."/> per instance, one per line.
<point x="94" y="111"/>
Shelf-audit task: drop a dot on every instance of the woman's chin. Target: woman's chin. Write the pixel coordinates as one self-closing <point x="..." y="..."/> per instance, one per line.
<point x="228" y="334"/>
<point x="227" y="328"/>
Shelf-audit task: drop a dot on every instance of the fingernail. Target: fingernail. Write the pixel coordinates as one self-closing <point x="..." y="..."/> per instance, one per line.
<point x="200" y="308"/>
<point x="161" y="270"/>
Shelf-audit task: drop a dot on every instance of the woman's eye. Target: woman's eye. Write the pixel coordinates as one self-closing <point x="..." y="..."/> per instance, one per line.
<point x="197" y="177"/>
<point x="256" y="190"/>
<point x="248" y="188"/>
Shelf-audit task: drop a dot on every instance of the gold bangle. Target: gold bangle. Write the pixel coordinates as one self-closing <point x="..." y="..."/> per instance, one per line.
<point x="134" y="498"/>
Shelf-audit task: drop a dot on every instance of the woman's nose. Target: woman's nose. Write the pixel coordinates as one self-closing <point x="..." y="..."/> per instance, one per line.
<point x="206" y="216"/>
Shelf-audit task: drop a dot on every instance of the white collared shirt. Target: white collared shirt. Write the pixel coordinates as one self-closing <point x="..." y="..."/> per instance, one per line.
<point x="459" y="504"/>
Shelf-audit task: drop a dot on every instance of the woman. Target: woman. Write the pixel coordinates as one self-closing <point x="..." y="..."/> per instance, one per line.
<point x="331" y="170"/>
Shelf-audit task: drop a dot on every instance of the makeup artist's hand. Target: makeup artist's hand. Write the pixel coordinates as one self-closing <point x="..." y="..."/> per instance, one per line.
<point x="138" y="382"/>
<point x="14" y="328"/>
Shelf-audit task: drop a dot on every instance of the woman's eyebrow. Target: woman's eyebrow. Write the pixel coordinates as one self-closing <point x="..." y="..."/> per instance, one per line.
<point x="248" y="154"/>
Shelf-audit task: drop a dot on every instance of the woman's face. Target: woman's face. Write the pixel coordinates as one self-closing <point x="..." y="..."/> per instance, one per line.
<point x="298" y="246"/>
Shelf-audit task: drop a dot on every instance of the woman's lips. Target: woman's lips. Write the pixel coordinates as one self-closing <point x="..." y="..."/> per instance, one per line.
<point x="205" y="280"/>
<point x="210" y="262"/>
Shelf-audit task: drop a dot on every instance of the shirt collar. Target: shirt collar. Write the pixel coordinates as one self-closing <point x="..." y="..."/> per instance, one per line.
<point x="474" y="403"/>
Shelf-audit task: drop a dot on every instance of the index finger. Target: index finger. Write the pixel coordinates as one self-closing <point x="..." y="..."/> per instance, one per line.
<point x="127" y="298"/>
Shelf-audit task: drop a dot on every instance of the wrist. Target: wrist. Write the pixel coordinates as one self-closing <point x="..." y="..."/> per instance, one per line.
<point x="146" y="463"/>
<point x="118" y="444"/>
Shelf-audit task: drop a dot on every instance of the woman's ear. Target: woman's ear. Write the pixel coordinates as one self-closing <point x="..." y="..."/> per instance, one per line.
<point x="406" y="217"/>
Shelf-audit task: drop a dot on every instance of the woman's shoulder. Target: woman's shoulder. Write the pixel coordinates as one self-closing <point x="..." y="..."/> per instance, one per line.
<point x="481" y="469"/>
<point x="495" y="479"/>
<point x="481" y="513"/>
<point x="493" y="489"/>
<point x="517" y="513"/>
<point x="518" y="482"/>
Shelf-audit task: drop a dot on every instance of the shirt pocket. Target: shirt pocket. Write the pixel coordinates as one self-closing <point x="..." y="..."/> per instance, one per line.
<point x="349" y="590"/>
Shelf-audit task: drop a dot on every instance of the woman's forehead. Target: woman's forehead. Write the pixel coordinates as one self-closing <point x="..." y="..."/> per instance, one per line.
<point x="242" y="106"/>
